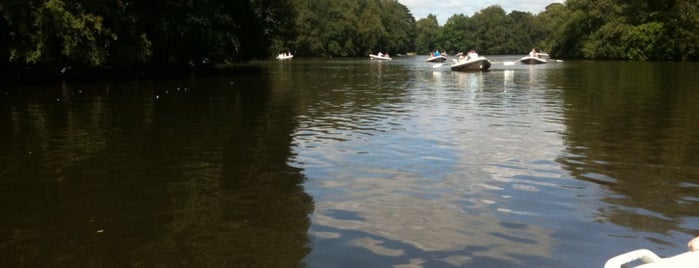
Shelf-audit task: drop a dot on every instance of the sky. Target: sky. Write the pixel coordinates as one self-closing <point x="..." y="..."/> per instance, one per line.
<point x="444" y="9"/>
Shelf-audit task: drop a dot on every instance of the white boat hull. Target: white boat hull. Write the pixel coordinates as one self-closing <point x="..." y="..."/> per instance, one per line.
<point x="648" y="259"/>
<point x="439" y="58"/>
<point x="377" y="57"/>
<point x="478" y="64"/>
<point x="532" y="60"/>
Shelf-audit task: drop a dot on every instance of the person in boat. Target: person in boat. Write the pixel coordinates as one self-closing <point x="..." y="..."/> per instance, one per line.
<point x="533" y="53"/>
<point x="380" y="54"/>
<point x="437" y="53"/>
<point x="471" y="55"/>
<point x="386" y="55"/>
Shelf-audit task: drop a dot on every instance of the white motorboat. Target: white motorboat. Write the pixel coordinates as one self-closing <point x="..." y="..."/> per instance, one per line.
<point x="285" y="56"/>
<point x="648" y="259"/>
<point x="440" y="58"/>
<point x="471" y="64"/>
<point x="532" y="60"/>
<point x="377" y="57"/>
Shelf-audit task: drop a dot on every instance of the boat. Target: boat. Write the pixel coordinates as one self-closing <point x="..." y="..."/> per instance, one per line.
<point x="532" y="60"/>
<point x="285" y="56"/>
<point x="471" y="64"/>
<point x="440" y="58"/>
<point x="648" y="259"/>
<point x="377" y="57"/>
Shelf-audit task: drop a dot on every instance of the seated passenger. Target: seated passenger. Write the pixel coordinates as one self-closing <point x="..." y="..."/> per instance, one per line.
<point x="471" y="55"/>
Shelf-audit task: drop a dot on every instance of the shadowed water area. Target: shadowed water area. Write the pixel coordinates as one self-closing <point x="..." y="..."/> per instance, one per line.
<point x="354" y="163"/>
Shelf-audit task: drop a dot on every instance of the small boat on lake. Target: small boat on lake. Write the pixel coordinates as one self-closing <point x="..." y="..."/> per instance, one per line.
<point x="534" y="57"/>
<point x="648" y="259"/>
<point x="532" y="60"/>
<point x="440" y="58"/>
<point x="285" y="56"/>
<point x="379" y="57"/>
<point x="472" y="62"/>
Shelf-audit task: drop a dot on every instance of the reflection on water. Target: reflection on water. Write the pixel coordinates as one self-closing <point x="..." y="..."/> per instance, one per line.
<point x="471" y="169"/>
<point x="470" y="81"/>
<point x="643" y="144"/>
<point x="180" y="173"/>
<point x="428" y="177"/>
<point x="316" y="162"/>
<point x="508" y="79"/>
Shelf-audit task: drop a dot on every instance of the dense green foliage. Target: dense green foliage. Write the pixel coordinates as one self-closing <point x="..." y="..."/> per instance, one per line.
<point x="616" y="29"/>
<point x="352" y="27"/>
<point x="604" y="29"/>
<point x="55" y="35"/>
<point x="489" y="31"/>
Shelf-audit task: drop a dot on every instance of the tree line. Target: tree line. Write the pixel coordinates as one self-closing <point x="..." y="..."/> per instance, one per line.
<point x="351" y="27"/>
<point x="57" y="35"/>
<point x="52" y="36"/>
<point x="589" y="29"/>
<point x="621" y="29"/>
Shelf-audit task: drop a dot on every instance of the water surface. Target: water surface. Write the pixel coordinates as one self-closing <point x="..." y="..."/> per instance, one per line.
<point x="353" y="162"/>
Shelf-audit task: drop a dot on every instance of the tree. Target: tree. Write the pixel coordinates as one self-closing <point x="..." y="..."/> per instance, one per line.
<point x="400" y="26"/>
<point x="59" y="35"/>
<point x="456" y="35"/>
<point x="428" y="31"/>
<point x="492" y="35"/>
<point x="525" y="33"/>
<point x="639" y="30"/>
<point x="550" y="22"/>
<point x="352" y="27"/>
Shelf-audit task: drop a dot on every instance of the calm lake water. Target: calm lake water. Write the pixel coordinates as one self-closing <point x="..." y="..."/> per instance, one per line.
<point x="354" y="163"/>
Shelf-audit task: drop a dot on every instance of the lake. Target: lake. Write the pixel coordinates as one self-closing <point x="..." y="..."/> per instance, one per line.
<point x="354" y="163"/>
